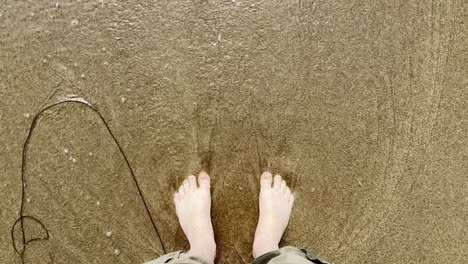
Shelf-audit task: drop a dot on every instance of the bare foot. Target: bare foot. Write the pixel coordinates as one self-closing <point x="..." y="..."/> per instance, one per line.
<point x="193" y="208"/>
<point x="276" y="203"/>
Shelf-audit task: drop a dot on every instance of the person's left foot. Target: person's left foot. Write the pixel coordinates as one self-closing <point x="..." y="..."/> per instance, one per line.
<point x="193" y="208"/>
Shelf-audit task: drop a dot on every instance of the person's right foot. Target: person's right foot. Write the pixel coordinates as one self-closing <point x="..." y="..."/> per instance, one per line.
<point x="275" y="204"/>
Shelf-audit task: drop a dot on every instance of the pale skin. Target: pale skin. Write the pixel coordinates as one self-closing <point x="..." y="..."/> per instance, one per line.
<point x="193" y="208"/>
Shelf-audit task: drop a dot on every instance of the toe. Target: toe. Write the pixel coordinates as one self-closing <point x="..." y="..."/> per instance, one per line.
<point x="266" y="179"/>
<point x="287" y="192"/>
<point x="283" y="186"/>
<point x="204" y="180"/>
<point x="277" y="182"/>
<point x="181" y="191"/>
<point x="292" y="198"/>
<point x="192" y="182"/>
<point x="186" y="185"/>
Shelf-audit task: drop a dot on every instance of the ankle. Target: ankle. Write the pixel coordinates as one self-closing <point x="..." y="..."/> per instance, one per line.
<point x="262" y="246"/>
<point x="205" y="250"/>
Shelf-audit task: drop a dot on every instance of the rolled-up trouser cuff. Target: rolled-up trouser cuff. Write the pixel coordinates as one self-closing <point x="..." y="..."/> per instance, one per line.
<point x="289" y="255"/>
<point x="178" y="257"/>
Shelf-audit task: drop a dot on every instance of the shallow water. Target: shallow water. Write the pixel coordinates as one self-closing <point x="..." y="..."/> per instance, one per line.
<point x="360" y="106"/>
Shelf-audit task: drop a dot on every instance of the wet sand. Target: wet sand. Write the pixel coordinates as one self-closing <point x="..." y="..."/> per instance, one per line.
<point x="362" y="107"/>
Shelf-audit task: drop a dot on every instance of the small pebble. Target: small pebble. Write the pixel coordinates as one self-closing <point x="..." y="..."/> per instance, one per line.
<point x="27" y="115"/>
<point x="82" y="75"/>
<point x="109" y="233"/>
<point x="121" y="205"/>
<point x="240" y="188"/>
<point x="98" y="203"/>
<point x="74" y="160"/>
<point x="116" y="252"/>
<point x="28" y="200"/>
<point x="65" y="151"/>
<point x="74" y="22"/>
<point x="123" y="99"/>
<point x="90" y="153"/>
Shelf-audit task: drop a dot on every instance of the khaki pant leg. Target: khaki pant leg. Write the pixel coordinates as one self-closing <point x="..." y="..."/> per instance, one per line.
<point x="289" y="255"/>
<point x="178" y="257"/>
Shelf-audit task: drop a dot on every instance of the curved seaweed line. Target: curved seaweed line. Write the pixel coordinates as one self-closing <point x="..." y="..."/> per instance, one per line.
<point x="23" y="178"/>
<point x="31" y="240"/>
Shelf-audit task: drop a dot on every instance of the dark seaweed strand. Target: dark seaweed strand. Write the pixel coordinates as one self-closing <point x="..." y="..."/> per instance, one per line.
<point x="23" y="179"/>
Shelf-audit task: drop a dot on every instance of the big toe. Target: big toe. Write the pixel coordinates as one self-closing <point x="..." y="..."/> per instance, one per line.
<point x="204" y="180"/>
<point x="266" y="178"/>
